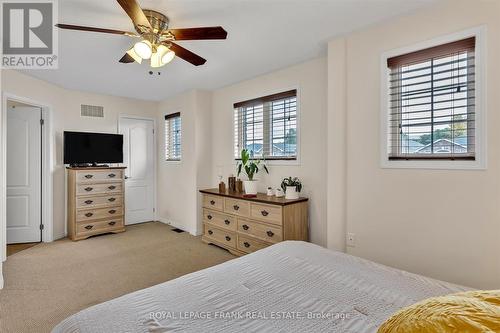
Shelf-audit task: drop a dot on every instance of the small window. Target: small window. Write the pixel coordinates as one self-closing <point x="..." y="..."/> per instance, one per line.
<point x="267" y="126"/>
<point x="432" y="103"/>
<point x="173" y="132"/>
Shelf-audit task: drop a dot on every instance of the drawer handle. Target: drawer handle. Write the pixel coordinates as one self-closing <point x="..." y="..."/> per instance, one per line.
<point x="112" y="187"/>
<point x="227" y="222"/>
<point x="228" y="238"/>
<point x="111" y="199"/>
<point x="88" y="189"/>
<point x="112" y="223"/>
<point x="264" y="213"/>
<point x="209" y="216"/>
<point x="89" y="176"/>
<point x="89" y="214"/>
<point x="210" y="232"/>
<point x="236" y="207"/>
<point x="245" y="227"/>
<point x="212" y="202"/>
<point x="247" y="244"/>
<point x="88" y="227"/>
<point x="88" y="202"/>
<point x="270" y="233"/>
<point x="111" y="175"/>
<point x="112" y="211"/>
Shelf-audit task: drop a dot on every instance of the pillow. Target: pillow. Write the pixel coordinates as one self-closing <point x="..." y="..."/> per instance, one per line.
<point x="466" y="312"/>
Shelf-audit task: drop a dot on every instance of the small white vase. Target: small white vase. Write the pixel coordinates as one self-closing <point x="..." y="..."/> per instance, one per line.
<point x="291" y="193"/>
<point x="250" y="186"/>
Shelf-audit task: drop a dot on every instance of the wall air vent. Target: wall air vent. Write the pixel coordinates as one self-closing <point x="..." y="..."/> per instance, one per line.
<point x="93" y="111"/>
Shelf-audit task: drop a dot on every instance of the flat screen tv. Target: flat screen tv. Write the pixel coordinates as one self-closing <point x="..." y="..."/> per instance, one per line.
<point x="92" y="148"/>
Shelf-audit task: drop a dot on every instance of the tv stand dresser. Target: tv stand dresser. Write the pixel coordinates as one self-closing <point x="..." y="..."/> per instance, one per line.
<point x="242" y="225"/>
<point x="95" y="201"/>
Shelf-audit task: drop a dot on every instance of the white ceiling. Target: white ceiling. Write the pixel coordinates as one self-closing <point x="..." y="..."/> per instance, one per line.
<point x="263" y="35"/>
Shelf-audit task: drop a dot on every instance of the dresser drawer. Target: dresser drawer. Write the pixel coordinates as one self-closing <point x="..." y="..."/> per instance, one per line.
<point x="267" y="213"/>
<point x="99" y="213"/>
<point x="88" y="189"/>
<point x="219" y="219"/>
<point x="260" y="230"/>
<point x="99" y="201"/>
<point x="99" y="226"/>
<point x="221" y="236"/>
<point x="237" y="207"/>
<point x="213" y="202"/>
<point x="247" y="244"/>
<point x="96" y="176"/>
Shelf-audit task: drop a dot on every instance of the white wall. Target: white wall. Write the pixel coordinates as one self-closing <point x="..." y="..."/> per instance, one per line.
<point x="2" y="198"/>
<point x="179" y="181"/>
<point x="310" y="79"/>
<point x="65" y="106"/>
<point x="440" y="223"/>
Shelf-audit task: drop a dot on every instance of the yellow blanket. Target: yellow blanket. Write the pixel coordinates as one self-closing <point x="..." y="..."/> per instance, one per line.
<point x="467" y="312"/>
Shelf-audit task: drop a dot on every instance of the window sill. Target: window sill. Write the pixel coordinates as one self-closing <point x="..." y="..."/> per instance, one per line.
<point x="433" y="164"/>
<point x="277" y="162"/>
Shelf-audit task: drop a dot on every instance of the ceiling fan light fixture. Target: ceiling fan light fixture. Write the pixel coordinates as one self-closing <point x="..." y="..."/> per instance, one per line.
<point x="143" y="49"/>
<point x="157" y="56"/>
<point x="167" y="57"/>
<point x="134" y="55"/>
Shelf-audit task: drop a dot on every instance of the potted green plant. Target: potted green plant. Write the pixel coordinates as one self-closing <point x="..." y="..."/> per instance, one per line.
<point x="251" y="167"/>
<point x="292" y="187"/>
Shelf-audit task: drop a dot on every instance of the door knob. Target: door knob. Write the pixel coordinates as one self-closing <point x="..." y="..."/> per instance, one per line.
<point x="127" y="177"/>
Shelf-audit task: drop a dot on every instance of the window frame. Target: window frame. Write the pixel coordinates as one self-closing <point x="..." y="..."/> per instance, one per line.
<point x="480" y="117"/>
<point x="167" y="118"/>
<point x="278" y="160"/>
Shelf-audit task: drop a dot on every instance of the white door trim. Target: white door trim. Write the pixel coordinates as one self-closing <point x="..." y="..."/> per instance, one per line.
<point x="47" y="168"/>
<point x="126" y="116"/>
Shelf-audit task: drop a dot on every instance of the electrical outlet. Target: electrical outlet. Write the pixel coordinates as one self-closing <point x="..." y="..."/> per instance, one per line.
<point x="351" y="239"/>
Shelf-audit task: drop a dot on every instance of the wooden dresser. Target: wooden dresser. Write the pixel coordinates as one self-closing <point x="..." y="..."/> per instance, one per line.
<point x="243" y="225"/>
<point x="95" y="201"/>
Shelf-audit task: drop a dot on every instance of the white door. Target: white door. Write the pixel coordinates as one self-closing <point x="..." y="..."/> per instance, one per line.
<point x="24" y="167"/>
<point x="138" y="157"/>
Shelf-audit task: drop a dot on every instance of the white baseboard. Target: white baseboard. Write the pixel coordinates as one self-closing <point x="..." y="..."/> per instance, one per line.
<point x="178" y="225"/>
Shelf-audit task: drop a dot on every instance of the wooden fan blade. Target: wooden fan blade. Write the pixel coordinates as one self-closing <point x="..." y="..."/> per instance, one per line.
<point x="127" y="59"/>
<point x="92" y="29"/>
<point x="199" y="33"/>
<point x="134" y="11"/>
<point x="187" y="55"/>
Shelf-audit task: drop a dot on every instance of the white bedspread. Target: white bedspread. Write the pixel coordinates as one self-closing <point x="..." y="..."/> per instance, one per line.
<point x="278" y="289"/>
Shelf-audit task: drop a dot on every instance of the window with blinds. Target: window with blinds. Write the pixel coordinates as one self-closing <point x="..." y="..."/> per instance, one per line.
<point x="432" y="103"/>
<point x="173" y="133"/>
<point x="267" y="126"/>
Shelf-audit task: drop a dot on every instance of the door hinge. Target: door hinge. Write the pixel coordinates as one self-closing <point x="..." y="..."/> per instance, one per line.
<point x="154" y="210"/>
<point x="42" y="121"/>
<point x="153" y="131"/>
<point x="42" y="226"/>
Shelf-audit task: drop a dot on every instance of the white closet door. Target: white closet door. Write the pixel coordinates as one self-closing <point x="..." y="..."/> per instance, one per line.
<point x="24" y="167"/>
<point x="138" y="157"/>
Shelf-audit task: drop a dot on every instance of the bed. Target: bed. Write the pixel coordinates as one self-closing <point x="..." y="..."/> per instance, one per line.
<point x="288" y="287"/>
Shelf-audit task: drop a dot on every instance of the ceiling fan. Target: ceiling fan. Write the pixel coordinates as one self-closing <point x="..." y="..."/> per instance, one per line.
<point x="156" y="39"/>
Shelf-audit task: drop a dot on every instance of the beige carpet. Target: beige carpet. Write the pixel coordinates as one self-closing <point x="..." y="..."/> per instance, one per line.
<point x="48" y="282"/>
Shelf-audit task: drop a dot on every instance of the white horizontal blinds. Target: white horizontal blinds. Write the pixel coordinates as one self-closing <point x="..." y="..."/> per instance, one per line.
<point x="267" y="126"/>
<point x="432" y="103"/>
<point x="173" y="132"/>
<point x="284" y="128"/>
